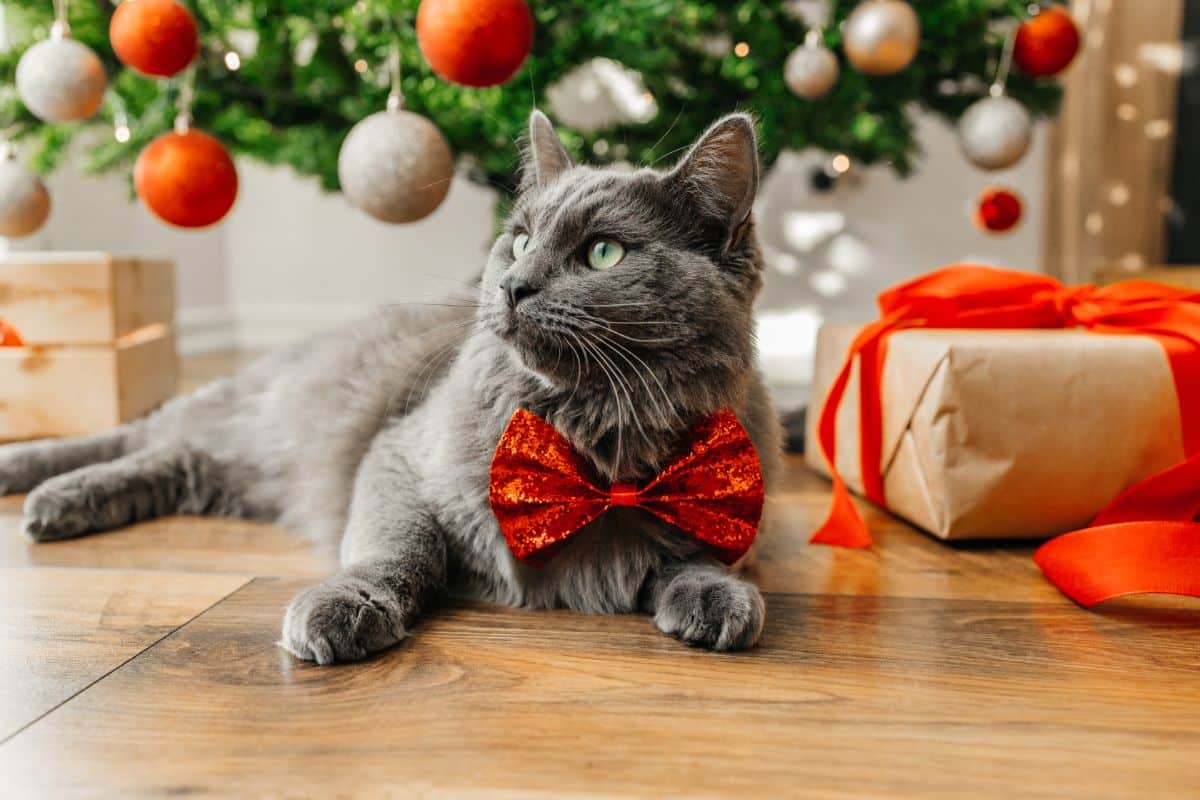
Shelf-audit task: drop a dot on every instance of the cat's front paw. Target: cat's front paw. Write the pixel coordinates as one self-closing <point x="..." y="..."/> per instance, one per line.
<point x="343" y="619"/>
<point x="711" y="609"/>
<point x="61" y="508"/>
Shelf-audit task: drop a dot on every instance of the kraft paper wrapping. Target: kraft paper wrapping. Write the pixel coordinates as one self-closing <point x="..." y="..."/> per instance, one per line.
<point x="1006" y="434"/>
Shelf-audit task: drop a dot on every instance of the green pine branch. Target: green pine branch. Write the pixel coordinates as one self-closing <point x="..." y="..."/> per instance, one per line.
<point x="282" y="108"/>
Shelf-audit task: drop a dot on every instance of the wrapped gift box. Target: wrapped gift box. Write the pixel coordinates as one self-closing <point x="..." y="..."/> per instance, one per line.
<point x="99" y="345"/>
<point x="1006" y="433"/>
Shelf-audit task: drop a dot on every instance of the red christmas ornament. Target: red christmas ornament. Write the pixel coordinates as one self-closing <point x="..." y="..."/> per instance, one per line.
<point x="186" y="179"/>
<point x="998" y="210"/>
<point x="155" y="37"/>
<point x="475" y="42"/>
<point x="1046" y="43"/>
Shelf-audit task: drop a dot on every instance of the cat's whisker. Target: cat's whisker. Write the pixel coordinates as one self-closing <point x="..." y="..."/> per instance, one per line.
<point x="646" y="368"/>
<point x="645" y="322"/>
<point x="557" y="356"/>
<point x="430" y="361"/>
<point x="464" y="304"/>
<point x="473" y="287"/>
<point x="638" y="340"/>
<point x="615" y="395"/>
<point x="578" y="375"/>
<point x="605" y="321"/>
<point x="660" y="413"/>
<point x="615" y="386"/>
<point x="604" y="358"/>
<point x="669" y="153"/>
<point x="599" y="322"/>
<point x="445" y="329"/>
<point x="666" y="133"/>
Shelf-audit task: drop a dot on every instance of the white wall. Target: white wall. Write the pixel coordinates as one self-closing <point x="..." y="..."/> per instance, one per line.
<point x="830" y="254"/>
<point x="299" y="258"/>
<point x="290" y="259"/>
<point x="98" y="213"/>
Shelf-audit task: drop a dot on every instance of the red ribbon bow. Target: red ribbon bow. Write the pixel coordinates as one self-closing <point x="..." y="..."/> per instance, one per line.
<point x="1147" y="539"/>
<point x="541" y="497"/>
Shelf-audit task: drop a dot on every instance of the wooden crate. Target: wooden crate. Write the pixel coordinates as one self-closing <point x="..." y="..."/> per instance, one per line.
<point x="99" y="331"/>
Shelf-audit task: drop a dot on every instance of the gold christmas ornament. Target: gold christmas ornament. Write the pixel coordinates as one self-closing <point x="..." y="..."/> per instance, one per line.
<point x="811" y="70"/>
<point x="995" y="132"/>
<point x="24" y="199"/>
<point x="882" y="36"/>
<point x="60" y="79"/>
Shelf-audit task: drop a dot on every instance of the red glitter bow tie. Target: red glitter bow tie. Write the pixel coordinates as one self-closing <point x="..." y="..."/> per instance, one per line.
<point x="541" y="497"/>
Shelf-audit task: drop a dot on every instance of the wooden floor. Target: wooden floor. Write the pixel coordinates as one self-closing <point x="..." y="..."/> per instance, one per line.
<point x="143" y="663"/>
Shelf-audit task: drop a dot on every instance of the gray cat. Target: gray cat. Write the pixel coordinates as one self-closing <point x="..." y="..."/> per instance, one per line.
<point x="616" y="306"/>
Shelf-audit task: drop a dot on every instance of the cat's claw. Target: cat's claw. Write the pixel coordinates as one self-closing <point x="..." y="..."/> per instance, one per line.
<point x="343" y="619"/>
<point x="715" y="611"/>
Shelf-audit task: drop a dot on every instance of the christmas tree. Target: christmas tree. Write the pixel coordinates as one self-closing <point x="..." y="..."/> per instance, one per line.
<point x="284" y="81"/>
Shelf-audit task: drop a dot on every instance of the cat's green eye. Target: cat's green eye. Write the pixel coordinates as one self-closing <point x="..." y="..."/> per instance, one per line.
<point x="604" y="254"/>
<point x="520" y="244"/>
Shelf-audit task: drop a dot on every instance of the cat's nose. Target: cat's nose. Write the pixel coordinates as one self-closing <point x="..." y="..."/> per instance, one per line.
<point x="517" y="289"/>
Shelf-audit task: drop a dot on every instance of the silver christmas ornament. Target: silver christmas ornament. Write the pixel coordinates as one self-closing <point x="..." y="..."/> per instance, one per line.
<point x="24" y="200"/>
<point x="60" y="79"/>
<point x="396" y="166"/>
<point x="811" y="70"/>
<point x="882" y="36"/>
<point x="995" y="132"/>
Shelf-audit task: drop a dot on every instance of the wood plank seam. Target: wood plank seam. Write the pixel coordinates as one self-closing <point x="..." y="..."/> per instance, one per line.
<point x="121" y="665"/>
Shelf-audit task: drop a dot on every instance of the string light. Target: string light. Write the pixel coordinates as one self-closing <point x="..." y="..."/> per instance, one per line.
<point x="840" y="163"/>
<point x="360" y="66"/>
<point x="121" y="130"/>
<point x="1125" y="75"/>
<point x="1158" y="128"/>
<point x="1132" y="262"/>
<point x="741" y="49"/>
<point x="232" y="61"/>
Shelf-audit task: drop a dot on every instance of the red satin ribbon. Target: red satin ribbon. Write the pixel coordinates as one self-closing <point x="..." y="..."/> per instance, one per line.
<point x="1147" y="539"/>
<point x="541" y="496"/>
<point x="9" y="337"/>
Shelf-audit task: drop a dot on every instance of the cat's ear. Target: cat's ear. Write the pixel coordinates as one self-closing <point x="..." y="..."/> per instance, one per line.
<point x="720" y="172"/>
<point x="545" y="158"/>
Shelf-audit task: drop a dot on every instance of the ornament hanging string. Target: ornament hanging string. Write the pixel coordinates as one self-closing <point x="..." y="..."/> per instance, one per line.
<point x="183" y="101"/>
<point x="395" y="100"/>
<point x="1005" y="64"/>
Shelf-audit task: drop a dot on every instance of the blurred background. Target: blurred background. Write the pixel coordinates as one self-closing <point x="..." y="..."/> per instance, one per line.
<point x="881" y="164"/>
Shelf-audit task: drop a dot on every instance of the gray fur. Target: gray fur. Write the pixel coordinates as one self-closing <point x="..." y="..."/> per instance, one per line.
<point x="380" y="436"/>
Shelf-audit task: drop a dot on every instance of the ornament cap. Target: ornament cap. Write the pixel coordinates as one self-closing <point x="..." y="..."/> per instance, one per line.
<point x="61" y="29"/>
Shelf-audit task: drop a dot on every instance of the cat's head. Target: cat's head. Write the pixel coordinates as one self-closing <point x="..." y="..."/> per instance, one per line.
<point x="634" y="284"/>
